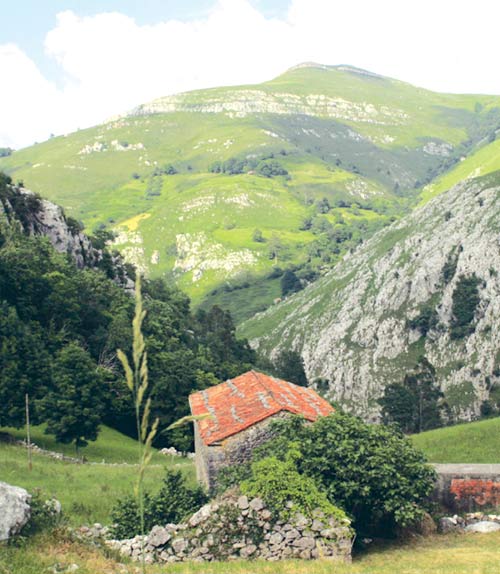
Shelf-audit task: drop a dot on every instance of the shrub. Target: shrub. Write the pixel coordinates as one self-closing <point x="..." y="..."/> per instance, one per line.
<point x="174" y="501"/>
<point x="450" y="267"/>
<point x="45" y="514"/>
<point x="278" y="482"/>
<point x="289" y="283"/>
<point x="372" y="472"/>
<point x="257" y="236"/>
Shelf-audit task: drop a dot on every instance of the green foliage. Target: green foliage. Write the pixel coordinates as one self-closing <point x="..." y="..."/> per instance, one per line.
<point x="170" y="170"/>
<point x="73" y="407"/>
<point x="466" y="298"/>
<point x="415" y="404"/>
<point x="5" y="151"/>
<point x="271" y="169"/>
<point x="44" y="514"/>
<point x="47" y="303"/>
<point x="289" y="366"/>
<point x="450" y="267"/>
<point x="370" y="471"/>
<point x="257" y="236"/>
<point x="290" y="283"/>
<point x="278" y="483"/>
<point x="175" y="501"/>
<point x="235" y="166"/>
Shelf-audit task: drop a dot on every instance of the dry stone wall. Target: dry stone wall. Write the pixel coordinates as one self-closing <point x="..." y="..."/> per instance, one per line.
<point x="236" y="527"/>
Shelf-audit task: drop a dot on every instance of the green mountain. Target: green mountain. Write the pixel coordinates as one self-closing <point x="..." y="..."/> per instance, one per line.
<point x="215" y="188"/>
<point x="428" y="285"/>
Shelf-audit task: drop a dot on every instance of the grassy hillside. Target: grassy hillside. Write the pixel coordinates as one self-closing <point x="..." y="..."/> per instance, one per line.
<point x="483" y="162"/>
<point x="111" y="446"/>
<point x="477" y="442"/>
<point x="364" y="143"/>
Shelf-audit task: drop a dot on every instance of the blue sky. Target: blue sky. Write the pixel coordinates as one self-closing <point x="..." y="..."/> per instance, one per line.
<point x="71" y="64"/>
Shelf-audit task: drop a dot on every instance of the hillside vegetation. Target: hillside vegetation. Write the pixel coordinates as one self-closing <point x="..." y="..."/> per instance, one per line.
<point x="315" y="160"/>
<point x="61" y="325"/>
<point x="476" y="442"/>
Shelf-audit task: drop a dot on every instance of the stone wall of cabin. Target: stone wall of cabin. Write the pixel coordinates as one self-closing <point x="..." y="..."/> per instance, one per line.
<point x="233" y="450"/>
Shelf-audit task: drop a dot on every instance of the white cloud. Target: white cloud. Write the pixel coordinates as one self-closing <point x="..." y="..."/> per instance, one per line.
<point x="110" y="63"/>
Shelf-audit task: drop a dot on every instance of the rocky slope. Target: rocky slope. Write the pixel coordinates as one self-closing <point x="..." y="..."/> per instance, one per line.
<point x="427" y="285"/>
<point x="36" y="216"/>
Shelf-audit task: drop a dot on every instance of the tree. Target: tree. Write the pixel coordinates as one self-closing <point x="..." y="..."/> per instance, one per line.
<point x="466" y="298"/>
<point x="399" y="406"/>
<point x="289" y="366"/>
<point x="169" y="169"/>
<point x="73" y="407"/>
<point x="416" y="403"/>
<point x="323" y="205"/>
<point x="24" y="366"/>
<point x="275" y="247"/>
<point x="290" y="283"/>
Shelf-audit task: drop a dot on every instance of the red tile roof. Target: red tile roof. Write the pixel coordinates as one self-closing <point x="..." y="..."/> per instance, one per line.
<point x="252" y="397"/>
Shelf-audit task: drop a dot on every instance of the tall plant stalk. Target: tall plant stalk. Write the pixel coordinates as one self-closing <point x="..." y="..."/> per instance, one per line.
<point x="136" y="378"/>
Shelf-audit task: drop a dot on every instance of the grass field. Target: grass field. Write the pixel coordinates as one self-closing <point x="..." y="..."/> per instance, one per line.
<point x="477" y="442"/>
<point x="87" y="492"/>
<point x="440" y="554"/>
<point x="111" y="445"/>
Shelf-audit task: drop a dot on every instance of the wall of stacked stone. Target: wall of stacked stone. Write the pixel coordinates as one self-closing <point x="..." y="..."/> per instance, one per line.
<point x="467" y="487"/>
<point x="236" y="449"/>
<point x="235" y="527"/>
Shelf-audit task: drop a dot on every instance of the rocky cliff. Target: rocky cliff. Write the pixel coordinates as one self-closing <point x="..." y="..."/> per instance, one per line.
<point x="428" y="285"/>
<point x="36" y="216"/>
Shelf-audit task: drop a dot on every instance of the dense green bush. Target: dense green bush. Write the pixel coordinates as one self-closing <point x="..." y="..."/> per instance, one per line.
<point x="416" y="404"/>
<point x="370" y="471"/>
<point x="426" y="320"/>
<point x="174" y="502"/>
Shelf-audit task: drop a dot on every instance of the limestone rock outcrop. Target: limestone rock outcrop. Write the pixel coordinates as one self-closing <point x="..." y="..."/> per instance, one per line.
<point x="365" y="324"/>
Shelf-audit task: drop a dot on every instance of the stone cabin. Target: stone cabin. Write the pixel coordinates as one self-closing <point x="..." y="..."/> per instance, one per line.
<point x="238" y="414"/>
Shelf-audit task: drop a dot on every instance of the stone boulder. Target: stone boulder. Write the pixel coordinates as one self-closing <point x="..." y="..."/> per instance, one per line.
<point x="483" y="527"/>
<point x="15" y="510"/>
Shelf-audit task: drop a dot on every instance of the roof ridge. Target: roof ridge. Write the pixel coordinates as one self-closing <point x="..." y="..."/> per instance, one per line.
<point x="265" y="389"/>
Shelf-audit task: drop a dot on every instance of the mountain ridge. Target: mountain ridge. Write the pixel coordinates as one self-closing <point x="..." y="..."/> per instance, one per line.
<point x="315" y="160"/>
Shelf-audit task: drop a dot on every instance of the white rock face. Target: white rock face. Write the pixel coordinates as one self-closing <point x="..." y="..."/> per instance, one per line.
<point x="240" y="103"/>
<point x="14" y="510"/>
<point x="351" y="326"/>
<point x="197" y="253"/>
